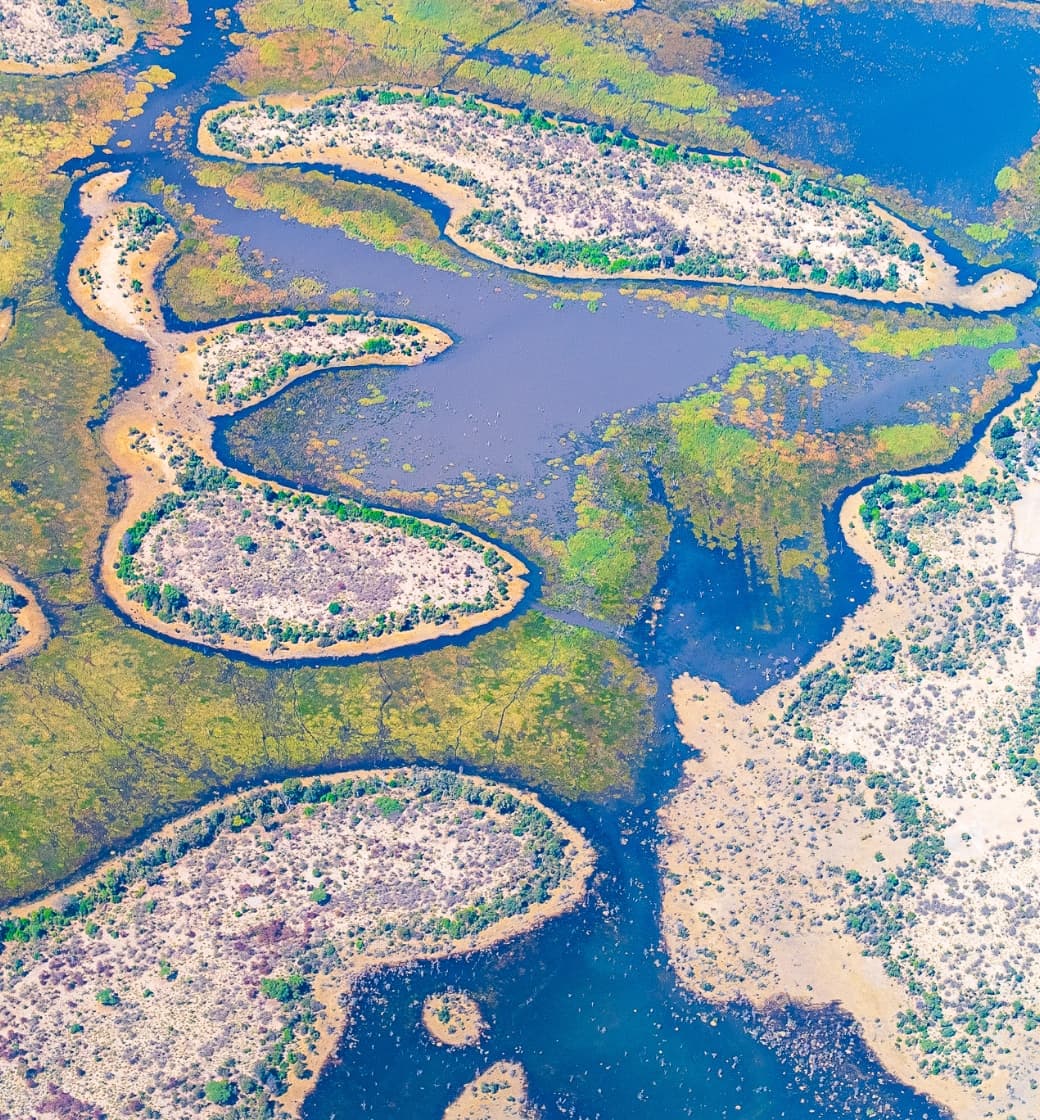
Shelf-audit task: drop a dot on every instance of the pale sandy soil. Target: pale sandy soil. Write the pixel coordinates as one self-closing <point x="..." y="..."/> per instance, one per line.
<point x="31" y="618"/>
<point x="557" y="186"/>
<point x="600" y="7"/>
<point x="35" y="42"/>
<point x="154" y="426"/>
<point x="759" y="843"/>
<point x="185" y="950"/>
<point x="231" y="356"/>
<point x="453" y="1019"/>
<point x="6" y="322"/>
<point x="499" y="1093"/>
<point x="1027" y="520"/>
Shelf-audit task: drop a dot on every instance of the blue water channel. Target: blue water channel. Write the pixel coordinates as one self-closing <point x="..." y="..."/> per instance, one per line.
<point x="588" y="1003"/>
<point x="932" y="98"/>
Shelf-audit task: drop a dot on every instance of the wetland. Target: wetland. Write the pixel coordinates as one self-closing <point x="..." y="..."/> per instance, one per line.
<point x="670" y="461"/>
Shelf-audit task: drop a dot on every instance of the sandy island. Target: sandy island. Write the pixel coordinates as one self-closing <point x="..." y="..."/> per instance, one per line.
<point x="557" y="198"/>
<point x="215" y="963"/>
<point x="37" y="37"/>
<point x="499" y="1093"/>
<point x="33" y="629"/>
<point x="212" y="556"/>
<point x="453" y="1019"/>
<point x="869" y="835"/>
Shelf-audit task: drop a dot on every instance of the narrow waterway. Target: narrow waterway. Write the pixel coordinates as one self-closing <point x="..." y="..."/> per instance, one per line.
<point x="588" y="1003"/>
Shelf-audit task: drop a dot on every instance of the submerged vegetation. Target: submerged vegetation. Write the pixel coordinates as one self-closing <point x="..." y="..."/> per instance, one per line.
<point x="314" y="198"/>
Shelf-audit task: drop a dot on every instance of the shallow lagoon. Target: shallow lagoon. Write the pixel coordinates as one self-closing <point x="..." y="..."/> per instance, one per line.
<point x="588" y="1003"/>
<point x="932" y="99"/>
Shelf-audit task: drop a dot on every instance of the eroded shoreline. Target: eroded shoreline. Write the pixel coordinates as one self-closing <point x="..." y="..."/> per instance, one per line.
<point x="861" y="838"/>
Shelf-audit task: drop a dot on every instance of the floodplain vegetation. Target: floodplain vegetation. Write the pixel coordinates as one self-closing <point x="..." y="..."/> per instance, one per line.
<point x="893" y="791"/>
<point x="96" y="755"/>
<point x="204" y="553"/>
<point x="208" y="973"/>
<point x="562" y="198"/>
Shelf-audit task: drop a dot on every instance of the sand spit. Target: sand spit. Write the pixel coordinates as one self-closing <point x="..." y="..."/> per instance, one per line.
<point x="49" y="37"/>
<point x="557" y="198"/>
<point x="213" y="556"/>
<point x="869" y="836"/>
<point x="453" y="1019"/>
<point x="31" y="628"/>
<point x="499" y="1093"/>
<point x="6" y="322"/>
<point x="215" y="965"/>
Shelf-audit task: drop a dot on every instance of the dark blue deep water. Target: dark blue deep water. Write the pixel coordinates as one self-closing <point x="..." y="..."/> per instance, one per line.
<point x="934" y="99"/>
<point x="588" y="1003"/>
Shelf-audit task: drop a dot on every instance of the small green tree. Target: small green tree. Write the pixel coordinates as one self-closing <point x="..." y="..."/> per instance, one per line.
<point x="220" y="1092"/>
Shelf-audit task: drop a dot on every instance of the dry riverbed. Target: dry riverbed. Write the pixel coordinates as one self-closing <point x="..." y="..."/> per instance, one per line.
<point x="558" y="198"/>
<point x="215" y="964"/>
<point x="214" y="556"/>
<point x="868" y="835"/>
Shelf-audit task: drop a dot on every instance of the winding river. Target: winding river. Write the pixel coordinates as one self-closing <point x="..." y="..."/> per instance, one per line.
<point x="587" y="1003"/>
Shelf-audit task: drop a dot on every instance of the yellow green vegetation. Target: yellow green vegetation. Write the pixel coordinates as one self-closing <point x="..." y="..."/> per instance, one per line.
<point x="914" y="341"/>
<point x="608" y="566"/>
<point x="784" y="314"/>
<point x="586" y="69"/>
<point x="363" y="212"/>
<point x="52" y="372"/>
<point x="899" y="334"/>
<point x="214" y="275"/>
<point x="109" y="728"/>
<point x="638" y="69"/>
<point x="119" y="728"/>
<point x="743" y="465"/>
<point x="918" y="443"/>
